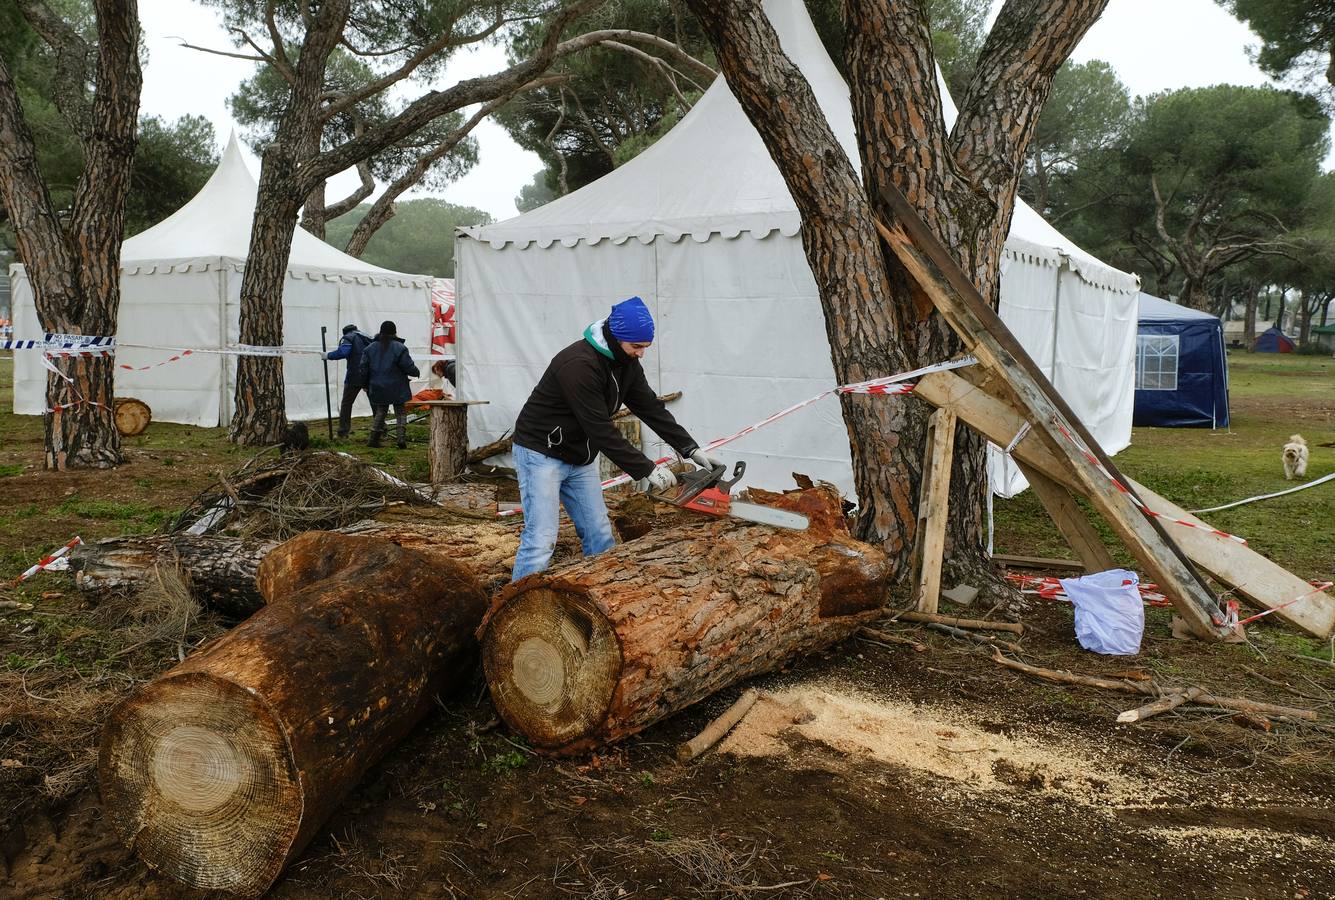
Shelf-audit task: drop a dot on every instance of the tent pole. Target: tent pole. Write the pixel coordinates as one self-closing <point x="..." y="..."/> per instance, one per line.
<point x="328" y="404"/>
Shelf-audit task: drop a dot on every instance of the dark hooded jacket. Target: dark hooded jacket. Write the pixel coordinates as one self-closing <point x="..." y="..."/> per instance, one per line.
<point x="350" y="348"/>
<point x="386" y="369"/>
<point x="569" y="414"/>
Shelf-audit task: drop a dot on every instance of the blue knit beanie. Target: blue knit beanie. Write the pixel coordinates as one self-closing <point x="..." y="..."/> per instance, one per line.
<point x="631" y="322"/>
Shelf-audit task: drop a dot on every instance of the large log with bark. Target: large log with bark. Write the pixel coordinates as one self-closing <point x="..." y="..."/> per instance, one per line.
<point x="219" y="772"/>
<point x="220" y="571"/>
<point x="594" y="651"/>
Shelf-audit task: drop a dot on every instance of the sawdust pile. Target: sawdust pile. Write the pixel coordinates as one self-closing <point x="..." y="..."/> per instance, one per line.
<point x="946" y="745"/>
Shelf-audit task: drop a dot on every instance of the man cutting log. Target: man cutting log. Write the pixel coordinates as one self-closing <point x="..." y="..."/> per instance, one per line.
<point x="567" y="422"/>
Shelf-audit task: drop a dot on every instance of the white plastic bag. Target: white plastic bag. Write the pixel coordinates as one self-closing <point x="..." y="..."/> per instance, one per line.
<point x="1109" y="614"/>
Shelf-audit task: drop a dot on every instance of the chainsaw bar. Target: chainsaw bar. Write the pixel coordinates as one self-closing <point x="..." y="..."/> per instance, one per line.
<point x="768" y="515"/>
<point x="706" y="491"/>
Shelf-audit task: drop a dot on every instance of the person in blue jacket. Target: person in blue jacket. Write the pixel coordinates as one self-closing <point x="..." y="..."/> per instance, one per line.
<point x="350" y="348"/>
<point x="567" y="422"/>
<point x="386" y="366"/>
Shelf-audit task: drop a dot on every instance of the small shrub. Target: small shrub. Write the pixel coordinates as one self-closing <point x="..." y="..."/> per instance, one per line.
<point x="501" y="763"/>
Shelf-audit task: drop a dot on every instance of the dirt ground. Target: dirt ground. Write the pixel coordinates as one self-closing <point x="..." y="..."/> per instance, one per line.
<point x="873" y="772"/>
<point x="869" y="771"/>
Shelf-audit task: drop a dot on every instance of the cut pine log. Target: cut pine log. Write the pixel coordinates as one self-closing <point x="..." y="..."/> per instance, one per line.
<point x="219" y="570"/>
<point x="589" y="653"/>
<point x="219" y="772"/>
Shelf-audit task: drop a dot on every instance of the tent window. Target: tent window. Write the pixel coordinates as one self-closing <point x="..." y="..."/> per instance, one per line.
<point x="1156" y="362"/>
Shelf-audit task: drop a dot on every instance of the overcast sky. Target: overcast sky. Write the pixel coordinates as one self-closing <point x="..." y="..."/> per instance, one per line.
<point x="1154" y="45"/>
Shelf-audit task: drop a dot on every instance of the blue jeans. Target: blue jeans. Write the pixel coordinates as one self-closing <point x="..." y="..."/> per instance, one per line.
<point x="544" y="485"/>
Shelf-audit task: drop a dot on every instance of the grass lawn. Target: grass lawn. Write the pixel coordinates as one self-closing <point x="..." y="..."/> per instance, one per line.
<point x="1271" y="397"/>
<point x="166" y="467"/>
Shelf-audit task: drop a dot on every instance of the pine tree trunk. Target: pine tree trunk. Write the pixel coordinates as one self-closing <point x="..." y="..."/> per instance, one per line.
<point x="878" y="321"/>
<point x="260" y="407"/>
<point x="1249" y="318"/>
<point x="313" y="213"/>
<point x="75" y="269"/>
<point x="1195" y="294"/>
<point x="591" y="652"/>
<point x="219" y="772"/>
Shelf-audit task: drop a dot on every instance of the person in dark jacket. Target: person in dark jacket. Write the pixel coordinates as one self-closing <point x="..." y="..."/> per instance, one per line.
<point x="567" y="422"/>
<point x="386" y="367"/>
<point x="350" y="348"/>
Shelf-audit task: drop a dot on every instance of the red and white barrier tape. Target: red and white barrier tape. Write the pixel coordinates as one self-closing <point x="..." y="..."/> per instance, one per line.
<point x="1140" y="504"/>
<point x="182" y="355"/>
<point x="1317" y="587"/>
<point x="48" y="560"/>
<point x="890" y="384"/>
<point x="1049" y="587"/>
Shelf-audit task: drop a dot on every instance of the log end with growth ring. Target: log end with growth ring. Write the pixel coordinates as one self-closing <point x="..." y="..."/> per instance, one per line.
<point x="553" y="661"/>
<point x="199" y="772"/>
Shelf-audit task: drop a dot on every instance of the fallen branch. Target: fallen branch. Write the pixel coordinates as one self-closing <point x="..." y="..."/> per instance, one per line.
<point x="1154" y="707"/>
<point x="976" y="638"/>
<point x="879" y="635"/>
<point x="1151" y="688"/>
<point x="911" y="616"/>
<point x="715" y="730"/>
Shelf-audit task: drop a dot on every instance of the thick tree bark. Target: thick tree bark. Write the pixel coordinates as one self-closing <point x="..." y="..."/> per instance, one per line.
<point x="74" y="268"/>
<point x="591" y="652"/>
<point x="259" y="414"/>
<point x="293" y="167"/>
<point x="878" y="321"/>
<point x="220" y="571"/>
<point x="221" y="771"/>
<point x="1249" y="318"/>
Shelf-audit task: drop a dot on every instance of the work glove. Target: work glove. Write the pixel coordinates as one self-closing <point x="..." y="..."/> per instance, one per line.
<point x="704" y="460"/>
<point x="660" y="479"/>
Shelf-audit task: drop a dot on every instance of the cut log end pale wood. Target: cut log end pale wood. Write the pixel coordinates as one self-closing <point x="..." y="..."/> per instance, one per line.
<point x="553" y="664"/>
<point x="209" y="776"/>
<point x="132" y="416"/>
<point x="221" y="771"/>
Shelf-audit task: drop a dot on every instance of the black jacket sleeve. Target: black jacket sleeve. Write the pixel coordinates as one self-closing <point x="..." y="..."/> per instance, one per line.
<point x="644" y="403"/>
<point x="579" y="382"/>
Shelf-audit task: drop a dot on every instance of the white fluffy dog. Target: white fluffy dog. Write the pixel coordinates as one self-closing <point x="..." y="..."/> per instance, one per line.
<point x="1295" y="457"/>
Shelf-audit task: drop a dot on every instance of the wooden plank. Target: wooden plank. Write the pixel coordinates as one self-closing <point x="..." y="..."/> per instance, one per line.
<point x="1070" y="520"/>
<point x="1261" y="581"/>
<point x="933" y="507"/>
<point x="978" y="326"/>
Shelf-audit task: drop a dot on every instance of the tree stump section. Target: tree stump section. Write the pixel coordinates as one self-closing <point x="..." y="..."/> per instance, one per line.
<point x="219" y="772"/>
<point x="132" y="416"/>
<point x="587" y="654"/>
<point x="447" y="447"/>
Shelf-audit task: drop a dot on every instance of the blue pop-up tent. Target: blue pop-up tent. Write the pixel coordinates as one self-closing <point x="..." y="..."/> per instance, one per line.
<point x="1272" y="340"/>
<point x="1181" y="370"/>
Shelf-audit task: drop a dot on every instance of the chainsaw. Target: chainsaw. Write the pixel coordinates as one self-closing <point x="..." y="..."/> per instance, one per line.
<point x="706" y="491"/>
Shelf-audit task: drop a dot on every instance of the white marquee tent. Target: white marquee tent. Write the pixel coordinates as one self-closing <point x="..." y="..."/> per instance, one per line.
<point x="181" y="289"/>
<point x="703" y="228"/>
